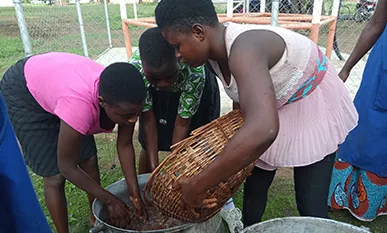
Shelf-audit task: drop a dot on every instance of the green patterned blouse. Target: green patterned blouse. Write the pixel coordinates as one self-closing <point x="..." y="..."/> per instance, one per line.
<point x="190" y="83"/>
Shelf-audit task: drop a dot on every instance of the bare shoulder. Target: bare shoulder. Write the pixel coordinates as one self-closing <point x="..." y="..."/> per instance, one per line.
<point x="380" y="16"/>
<point x="261" y="45"/>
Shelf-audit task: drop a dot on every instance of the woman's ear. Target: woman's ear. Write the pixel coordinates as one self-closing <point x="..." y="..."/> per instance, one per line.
<point x="198" y="31"/>
<point x="101" y="102"/>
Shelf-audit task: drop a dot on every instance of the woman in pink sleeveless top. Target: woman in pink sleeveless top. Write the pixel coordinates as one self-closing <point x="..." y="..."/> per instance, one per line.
<point x="296" y="109"/>
<point x="56" y="103"/>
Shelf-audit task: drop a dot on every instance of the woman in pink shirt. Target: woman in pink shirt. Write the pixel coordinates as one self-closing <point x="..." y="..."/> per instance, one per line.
<point x="57" y="102"/>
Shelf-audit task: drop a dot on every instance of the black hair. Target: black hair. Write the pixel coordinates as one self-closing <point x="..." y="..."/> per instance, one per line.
<point x="154" y="49"/>
<point x="121" y="82"/>
<point x="180" y="15"/>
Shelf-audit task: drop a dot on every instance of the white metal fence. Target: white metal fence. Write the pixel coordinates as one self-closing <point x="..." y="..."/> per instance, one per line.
<point x="94" y="29"/>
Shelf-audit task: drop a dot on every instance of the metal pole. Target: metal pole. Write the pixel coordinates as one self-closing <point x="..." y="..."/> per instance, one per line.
<point x="247" y="8"/>
<point x="82" y="28"/>
<point x="108" y="24"/>
<point x="123" y="11"/>
<point x="135" y="9"/>
<point x="317" y="8"/>
<point x="335" y="7"/>
<point x="316" y="19"/>
<point x="262" y="6"/>
<point x="230" y="8"/>
<point x="21" y="21"/>
<point x="274" y="12"/>
<point x="335" y="44"/>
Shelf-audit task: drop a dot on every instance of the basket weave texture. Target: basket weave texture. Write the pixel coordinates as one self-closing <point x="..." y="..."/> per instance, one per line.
<point x="190" y="157"/>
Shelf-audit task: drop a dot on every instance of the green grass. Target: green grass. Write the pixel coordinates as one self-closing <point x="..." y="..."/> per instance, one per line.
<point x="55" y="29"/>
<point x="281" y="199"/>
<point x="11" y="49"/>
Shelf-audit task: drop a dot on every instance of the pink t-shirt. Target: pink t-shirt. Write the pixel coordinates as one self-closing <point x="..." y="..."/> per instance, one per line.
<point x="66" y="85"/>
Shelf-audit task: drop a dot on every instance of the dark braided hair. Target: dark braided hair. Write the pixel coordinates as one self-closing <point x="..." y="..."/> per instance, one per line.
<point x="154" y="49"/>
<point x="180" y="15"/>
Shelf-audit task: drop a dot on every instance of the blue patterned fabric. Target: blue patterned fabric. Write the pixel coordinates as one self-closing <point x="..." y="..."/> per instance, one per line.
<point x="361" y="192"/>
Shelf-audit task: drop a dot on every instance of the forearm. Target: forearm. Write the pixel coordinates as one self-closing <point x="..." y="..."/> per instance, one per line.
<point x="367" y="39"/>
<point x="127" y="159"/>
<point x="79" y="178"/>
<point x="241" y="151"/>
<point x="128" y="164"/>
<point x="181" y="129"/>
<point x="151" y="137"/>
<point x="69" y="151"/>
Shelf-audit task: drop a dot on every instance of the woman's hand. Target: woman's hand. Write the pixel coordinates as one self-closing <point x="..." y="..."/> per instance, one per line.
<point x="344" y="74"/>
<point x="139" y="208"/>
<point x="69" y="151"/>
<point x="118" y="213"/>
<point x="191" y="196"/>
<point x="128" y="163"/>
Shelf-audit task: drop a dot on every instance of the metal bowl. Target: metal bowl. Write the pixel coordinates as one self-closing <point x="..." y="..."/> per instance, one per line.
<point x="302" y="225"/>
<point x="120" y="190"/>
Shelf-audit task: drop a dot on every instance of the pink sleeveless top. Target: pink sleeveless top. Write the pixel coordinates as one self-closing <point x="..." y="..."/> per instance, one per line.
<point x="288" y="74"/>
<point x="312" y="127"/>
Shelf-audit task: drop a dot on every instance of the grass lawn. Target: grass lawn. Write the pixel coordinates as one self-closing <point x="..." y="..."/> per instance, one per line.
<point x="281" y="201"/>
<point x="55" y="29"/>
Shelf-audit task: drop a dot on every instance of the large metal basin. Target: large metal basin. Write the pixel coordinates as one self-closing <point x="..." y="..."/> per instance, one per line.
<point x="119" y="189"/>
<point x="303" y="225"/>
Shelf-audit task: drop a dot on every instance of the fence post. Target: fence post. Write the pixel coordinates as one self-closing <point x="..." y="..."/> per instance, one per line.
<point x="123" y="12"/>
<point x="332" y="28"/>
<point x="135" y="9"/>
<point x="316" y="18"/>
<point x="82" y="28"/>
<point x="262" y="6"/>
<point x="230" y="8"/>
<point x="247" y="6"/>
<point x="335" y="8"/>
<point x="274" y="12"/>
<point x="21" y="21"/>
<point x="125" y="29"/>
<point x="108" y="24"/>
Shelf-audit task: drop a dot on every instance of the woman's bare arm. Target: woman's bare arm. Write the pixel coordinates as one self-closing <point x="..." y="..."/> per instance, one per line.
<point x="367" y="39"/>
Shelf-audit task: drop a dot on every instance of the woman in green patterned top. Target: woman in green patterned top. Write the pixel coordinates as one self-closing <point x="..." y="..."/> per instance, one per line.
<point x="180" y="98"/>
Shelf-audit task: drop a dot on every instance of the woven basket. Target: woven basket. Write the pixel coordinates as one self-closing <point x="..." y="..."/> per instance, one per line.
<point x="191" y="156"/>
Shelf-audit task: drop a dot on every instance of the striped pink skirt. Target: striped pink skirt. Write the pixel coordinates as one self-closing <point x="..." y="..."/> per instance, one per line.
<point x="313" y="127"/>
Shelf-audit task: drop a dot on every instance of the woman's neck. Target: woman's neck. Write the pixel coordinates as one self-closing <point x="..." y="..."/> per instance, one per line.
<point x="104" y="121"/>
<point x="218" y="50"/>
